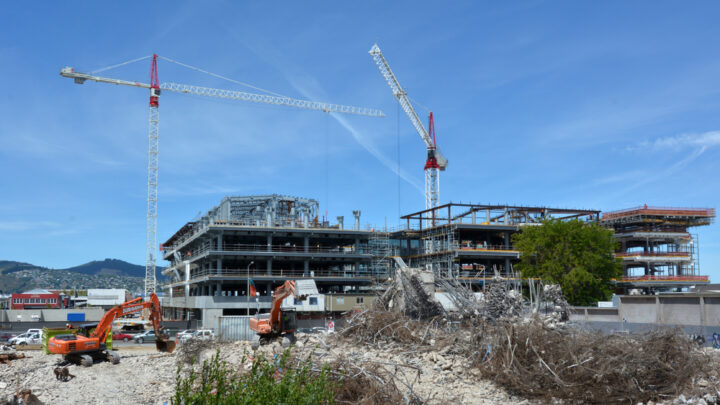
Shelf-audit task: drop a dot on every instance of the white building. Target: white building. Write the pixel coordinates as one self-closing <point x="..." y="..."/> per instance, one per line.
<point x="106" y="297"/>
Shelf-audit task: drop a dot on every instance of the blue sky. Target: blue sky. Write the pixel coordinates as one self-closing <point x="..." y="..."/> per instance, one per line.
<point x="598" y="105"/>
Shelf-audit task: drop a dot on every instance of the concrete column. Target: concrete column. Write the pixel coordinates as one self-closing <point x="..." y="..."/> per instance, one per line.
<point x="356" y="213"/>
<point x="474" y="217"/>
<point x="269" y="267"/>
<point x="703" y="320"/>
<point x="357" y="245"/>
<point x="658" y="310"/>
<point x="220" y="242"/>
<point x="487" y="216"/>
<point x="306" y="268"/>
<point x="269" y="243"/>
<point x="507" y="265"/>
<point x="218" y="268"/>
<point x="187" y="278"/>
<point x="507" y="240"/>
<point x="306" y="242"/>
<point x="218" y="288"/>
<point x="340" y="220"/>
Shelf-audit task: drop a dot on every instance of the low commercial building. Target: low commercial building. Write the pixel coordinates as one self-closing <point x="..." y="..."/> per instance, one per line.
<point x="106" y="297"/>
<point x="35" y="299"/>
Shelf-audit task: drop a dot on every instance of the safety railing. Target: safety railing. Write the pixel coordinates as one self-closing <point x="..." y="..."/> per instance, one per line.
<point x="652" y="254"/>
<point x="264" y="248"/>
<point x="665" y="278"/>
<point x="670" y="211"/>
<point x="255" y="273"/>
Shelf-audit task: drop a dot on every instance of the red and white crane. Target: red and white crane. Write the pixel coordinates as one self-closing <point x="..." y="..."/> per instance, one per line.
<point x="156" y="88"/>
<point x="435" y="160"/>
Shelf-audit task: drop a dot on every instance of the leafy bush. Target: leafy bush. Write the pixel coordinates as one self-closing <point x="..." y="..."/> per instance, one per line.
<point x="269" y="381"/>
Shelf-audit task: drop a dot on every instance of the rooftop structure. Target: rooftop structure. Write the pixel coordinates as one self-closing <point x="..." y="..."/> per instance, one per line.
<point x="657" y="250"/>
<point x="472" y="241"/>
<point x="267" y="239"/>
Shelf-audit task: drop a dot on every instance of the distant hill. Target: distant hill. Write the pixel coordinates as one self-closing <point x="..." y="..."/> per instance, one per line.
<point x="107" y="267"/>
<point x="7" y="266"/>
<point x="112" y="267"/>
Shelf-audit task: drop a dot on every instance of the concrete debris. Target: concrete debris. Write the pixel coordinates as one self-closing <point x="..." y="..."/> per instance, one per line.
<point x="5" y="358"/>
<point x="411" y="293"/>
<point x="501" y="301"/>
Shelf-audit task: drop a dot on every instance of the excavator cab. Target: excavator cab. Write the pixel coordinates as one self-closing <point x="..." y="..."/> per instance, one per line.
<point x="288" y="320"/>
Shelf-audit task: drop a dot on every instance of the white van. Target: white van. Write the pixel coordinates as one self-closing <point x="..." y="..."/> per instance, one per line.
<point x="27" y="338"/>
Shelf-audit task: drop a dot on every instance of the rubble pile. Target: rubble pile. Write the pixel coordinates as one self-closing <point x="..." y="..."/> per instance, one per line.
<point x="410" y="293"/>
<point x="501" y="301"/>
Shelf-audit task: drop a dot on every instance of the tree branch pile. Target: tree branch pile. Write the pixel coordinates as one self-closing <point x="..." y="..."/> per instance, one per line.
<point x="536" y="361"/>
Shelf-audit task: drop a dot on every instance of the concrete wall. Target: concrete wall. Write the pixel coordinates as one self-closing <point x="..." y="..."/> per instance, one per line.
<point x="666" y="309"/>
<point x="49" y="315"/>
<point x="210" y="318"/>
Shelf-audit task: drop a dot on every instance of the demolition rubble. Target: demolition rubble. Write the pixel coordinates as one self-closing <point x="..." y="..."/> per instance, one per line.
<point x="492" y="347"/>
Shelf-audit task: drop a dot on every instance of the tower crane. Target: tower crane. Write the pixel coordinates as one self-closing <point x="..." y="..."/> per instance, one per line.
<point x="156" y="88"/>
<point x="435" y="160"/>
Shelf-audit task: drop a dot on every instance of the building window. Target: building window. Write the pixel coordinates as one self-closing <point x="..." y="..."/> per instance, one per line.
<point x="27" y="300"/>
<point x="297" y="302"/>
<point x="359" y="300"/>
<point x="313" y="300"/>
<point x="340" y="300"/>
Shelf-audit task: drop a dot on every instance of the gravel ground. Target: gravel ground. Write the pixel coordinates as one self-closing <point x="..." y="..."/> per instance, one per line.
<point x="147" y="377"/>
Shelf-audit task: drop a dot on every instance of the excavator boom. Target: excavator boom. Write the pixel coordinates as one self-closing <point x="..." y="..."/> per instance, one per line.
<point x="90" y="346"/>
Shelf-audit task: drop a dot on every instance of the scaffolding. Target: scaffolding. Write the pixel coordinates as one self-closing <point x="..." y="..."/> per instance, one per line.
<point x="379" y="246"/>
<point x="655" y="245"/>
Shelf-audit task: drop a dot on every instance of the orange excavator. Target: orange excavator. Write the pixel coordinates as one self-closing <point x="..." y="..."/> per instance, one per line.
<point x="85" y="347"/>
<point x="281" y="321"/>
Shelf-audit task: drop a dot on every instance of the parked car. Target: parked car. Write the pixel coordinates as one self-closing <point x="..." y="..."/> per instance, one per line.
<point x="147" y="336"/>
<point x="122" y="336"/>
<point x="200" y="334"/>
<point x="184" y="334"/>
<point x="26" y="339"/>
<point x="7" y="335"/>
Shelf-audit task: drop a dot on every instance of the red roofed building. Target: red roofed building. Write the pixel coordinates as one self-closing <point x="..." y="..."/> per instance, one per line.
<point x="35" y="299"/>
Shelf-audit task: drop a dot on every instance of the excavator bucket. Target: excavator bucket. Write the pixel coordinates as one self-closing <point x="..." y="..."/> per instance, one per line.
<point x="164" y="344"/>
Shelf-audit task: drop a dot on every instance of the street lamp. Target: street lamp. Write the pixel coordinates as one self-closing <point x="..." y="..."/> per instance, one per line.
<point x="248" y="286"/>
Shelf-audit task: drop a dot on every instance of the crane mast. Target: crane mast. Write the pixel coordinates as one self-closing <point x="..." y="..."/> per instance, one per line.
<point x="153" y="135"/>
<point x="152" y="180"/>
<point x="435" y="160"/>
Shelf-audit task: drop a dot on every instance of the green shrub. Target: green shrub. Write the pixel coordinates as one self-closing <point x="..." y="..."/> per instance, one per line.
<point x="269" y="381"/>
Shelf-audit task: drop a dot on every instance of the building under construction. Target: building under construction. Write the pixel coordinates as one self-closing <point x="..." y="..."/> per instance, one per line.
<point x="656" y="247"/>
<point x="471" y="242"/>
<point x="268" y="239"/>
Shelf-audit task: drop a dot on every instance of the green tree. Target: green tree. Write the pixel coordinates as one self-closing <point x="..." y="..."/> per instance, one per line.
<point x="577" y="255"/>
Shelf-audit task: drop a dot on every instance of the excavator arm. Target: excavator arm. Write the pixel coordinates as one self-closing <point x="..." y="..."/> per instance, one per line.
<point x="104" y="327"/>
<point x="281" y="293"/>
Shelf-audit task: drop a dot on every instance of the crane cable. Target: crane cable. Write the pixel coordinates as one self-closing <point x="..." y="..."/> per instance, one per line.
<point x="188" y="67"/>
<point x="220" y="76"/>
<point x="121" y="64"/>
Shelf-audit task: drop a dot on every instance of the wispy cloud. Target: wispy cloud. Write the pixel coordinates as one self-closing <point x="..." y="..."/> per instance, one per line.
<point x="703" y="140"/>
<point x="20" y="226"/>
<point x="362" y="139"/>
